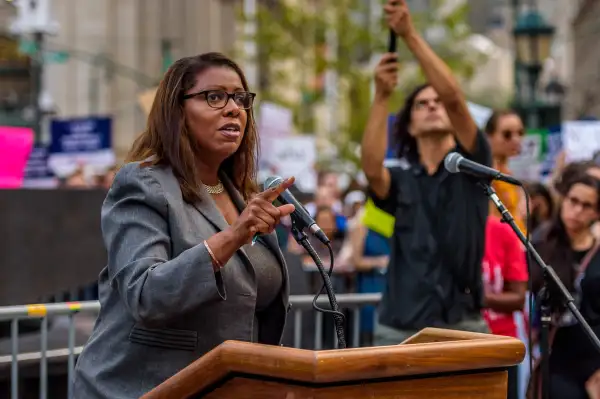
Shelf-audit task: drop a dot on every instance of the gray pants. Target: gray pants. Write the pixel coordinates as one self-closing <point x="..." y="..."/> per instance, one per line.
<point x="385" y="335"/>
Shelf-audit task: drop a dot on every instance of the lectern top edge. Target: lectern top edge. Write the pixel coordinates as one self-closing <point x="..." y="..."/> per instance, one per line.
<point x="444" y="353"/>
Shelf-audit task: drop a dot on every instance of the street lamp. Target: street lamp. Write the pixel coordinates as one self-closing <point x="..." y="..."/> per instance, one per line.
<point x="533" y="39"/>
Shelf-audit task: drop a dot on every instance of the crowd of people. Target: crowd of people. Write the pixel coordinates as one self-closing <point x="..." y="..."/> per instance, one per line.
<point x="182" y="217"/>
<point x="86" y="177"/>
<point x="562" y="223"/>
<point x="451" y="261"/>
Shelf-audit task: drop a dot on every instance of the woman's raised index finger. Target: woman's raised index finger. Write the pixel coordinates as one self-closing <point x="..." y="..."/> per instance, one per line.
<point x="272" y="193"/>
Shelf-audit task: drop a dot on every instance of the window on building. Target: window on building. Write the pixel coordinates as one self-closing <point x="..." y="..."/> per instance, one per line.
<point x="15" y="82"/>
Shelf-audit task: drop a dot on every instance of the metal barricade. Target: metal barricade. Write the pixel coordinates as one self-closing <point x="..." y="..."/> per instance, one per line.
<point x="43" y="312"/>
<point x="352" y="303"/>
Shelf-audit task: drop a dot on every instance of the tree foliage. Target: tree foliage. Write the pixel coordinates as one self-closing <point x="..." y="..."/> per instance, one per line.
<point x="296" y="30"/>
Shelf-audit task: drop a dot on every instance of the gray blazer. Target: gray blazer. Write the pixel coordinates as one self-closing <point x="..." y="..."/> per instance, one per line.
<point x="162" y="306"/>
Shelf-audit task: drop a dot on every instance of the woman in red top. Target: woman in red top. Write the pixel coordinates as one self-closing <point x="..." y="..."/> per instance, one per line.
<point x="505" y="282"/>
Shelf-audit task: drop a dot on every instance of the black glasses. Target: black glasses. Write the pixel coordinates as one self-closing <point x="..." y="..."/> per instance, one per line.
<point x="218" y="99"/>
<point x="576" y="202"/>
<point x="421" y="104"/>
<point x="509" y="134"/>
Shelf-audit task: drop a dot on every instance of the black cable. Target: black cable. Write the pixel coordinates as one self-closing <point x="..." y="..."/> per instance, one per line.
<point x="338" y="317"/>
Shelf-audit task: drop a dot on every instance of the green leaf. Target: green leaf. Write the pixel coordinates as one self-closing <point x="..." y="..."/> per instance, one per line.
<point x="291" y="31"/>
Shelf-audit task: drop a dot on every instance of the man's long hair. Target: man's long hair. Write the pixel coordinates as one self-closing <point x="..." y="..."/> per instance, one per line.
<point x="404" y="142"/>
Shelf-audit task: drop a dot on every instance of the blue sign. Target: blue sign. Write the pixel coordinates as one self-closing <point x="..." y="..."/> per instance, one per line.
<point x="81" y="135"/>
<point x="554" y="146"/>
<point x="392" y="151"/>
<point x="37" y="164"/>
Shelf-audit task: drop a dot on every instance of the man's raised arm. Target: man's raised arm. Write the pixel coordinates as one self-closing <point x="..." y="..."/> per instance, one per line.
<point x="374" y="142"/>
<point x="438" y="74"/>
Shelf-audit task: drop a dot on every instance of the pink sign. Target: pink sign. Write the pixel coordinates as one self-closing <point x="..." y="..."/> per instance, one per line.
<point x="15" y="145"/>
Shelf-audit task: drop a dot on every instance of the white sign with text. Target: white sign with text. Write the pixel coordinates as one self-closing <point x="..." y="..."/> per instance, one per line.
<point x="295" y="156"/>
<point x="581" y="140"/>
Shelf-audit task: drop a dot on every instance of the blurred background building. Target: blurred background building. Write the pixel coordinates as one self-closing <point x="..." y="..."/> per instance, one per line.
<point x="584" y="96"/>
<point x="105" y="53"/>
<point x="105" y="57"/>
<point x="496" y="20"/>
<point x="96" y="63"/>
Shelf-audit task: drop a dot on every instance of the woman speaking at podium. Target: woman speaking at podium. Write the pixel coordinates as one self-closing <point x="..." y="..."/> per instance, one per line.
<point x="182" y="276"/>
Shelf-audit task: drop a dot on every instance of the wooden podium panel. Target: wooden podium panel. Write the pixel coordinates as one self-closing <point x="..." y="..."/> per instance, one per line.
<point x="435" y="364"/>
<point x="485" y="385"/>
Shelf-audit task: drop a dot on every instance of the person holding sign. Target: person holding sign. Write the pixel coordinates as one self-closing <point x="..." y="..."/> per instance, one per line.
<point x="434" y="277"/>
<point x="177" y="222"/>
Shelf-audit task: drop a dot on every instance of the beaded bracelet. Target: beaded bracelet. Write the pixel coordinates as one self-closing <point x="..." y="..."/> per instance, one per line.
<point x="213" y="257"/>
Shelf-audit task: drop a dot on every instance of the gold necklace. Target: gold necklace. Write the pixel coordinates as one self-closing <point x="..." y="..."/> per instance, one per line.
<point x="216" y="189"/>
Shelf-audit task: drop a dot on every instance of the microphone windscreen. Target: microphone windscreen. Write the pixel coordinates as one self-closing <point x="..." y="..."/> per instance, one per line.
<point x="451" y="162"/>
<point x="272" y="181"/>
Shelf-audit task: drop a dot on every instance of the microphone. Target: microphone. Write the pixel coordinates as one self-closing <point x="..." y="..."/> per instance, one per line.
<point x="456" y="163"/>
<point x="300" y="216"/>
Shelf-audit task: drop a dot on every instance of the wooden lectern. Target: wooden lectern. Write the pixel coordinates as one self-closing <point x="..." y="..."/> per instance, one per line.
<point x="433" y="364"/>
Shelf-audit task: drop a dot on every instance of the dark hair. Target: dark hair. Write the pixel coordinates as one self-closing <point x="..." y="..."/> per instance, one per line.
<point x="539" y="190"/>
<point x="557" y="231"/>
<point x="492" y="123"/>
<point x="555" y="245"/>
<point x="168" y="140"/>
<point x="402" y="139"/>
<point x="327" y="209"/>
<point x="324" y="209"/>
<point x="571" y="171"/>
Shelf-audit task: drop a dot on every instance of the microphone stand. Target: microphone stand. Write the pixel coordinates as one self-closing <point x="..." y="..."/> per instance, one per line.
<point x="338" y="317"/>
<point x="550" y="277"/>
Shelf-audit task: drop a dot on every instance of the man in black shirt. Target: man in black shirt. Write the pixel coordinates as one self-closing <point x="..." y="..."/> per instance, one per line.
<point x="434" y="276"/>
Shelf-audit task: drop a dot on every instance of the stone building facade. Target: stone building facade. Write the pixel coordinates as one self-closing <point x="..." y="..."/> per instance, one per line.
<point x="116" y="50"/>
<point x="584" y="95"/>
